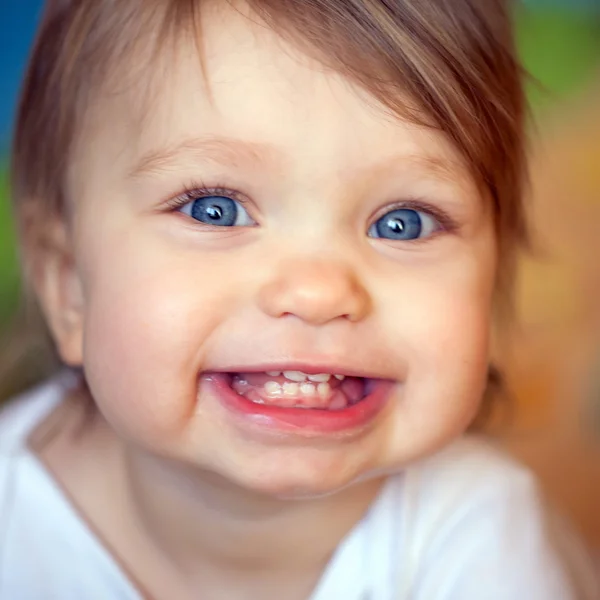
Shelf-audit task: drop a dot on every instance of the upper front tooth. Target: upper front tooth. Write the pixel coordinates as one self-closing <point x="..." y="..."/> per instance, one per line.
<point x="273" y="373"/>
<point x="295" y="375"/>
<point x="320" y="377"/>
<point x="340" y="377"/>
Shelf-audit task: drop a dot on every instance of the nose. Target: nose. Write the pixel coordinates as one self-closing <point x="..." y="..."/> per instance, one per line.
<point x="316" y="292"/>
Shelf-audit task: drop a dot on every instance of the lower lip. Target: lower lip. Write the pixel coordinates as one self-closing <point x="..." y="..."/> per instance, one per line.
<point x="304" y="420"/>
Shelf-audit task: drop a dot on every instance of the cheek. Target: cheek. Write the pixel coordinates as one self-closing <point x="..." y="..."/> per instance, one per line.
<point x="444" y="330"/>
<point x="443" y="310"/>
<point x="149" y="320"/>
<point x="451" y="332"/>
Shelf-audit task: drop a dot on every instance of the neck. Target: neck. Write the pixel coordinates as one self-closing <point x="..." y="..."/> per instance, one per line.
<point x="178" y="530"/>
<point x="199" y="518"/>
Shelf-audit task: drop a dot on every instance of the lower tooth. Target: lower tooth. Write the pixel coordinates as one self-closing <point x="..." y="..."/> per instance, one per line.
<point x="273" y="389"/>
<point x="308" y="389"/>
<point x="290" y="389"/>
<point x="324" y="390"/>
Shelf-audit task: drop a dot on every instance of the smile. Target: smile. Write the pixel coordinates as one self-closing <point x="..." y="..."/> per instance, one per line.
<point x="293" y="399"/>
<point x="296" y="389"/>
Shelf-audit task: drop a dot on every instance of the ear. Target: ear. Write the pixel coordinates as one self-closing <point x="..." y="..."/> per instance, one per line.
<point x="59" y="291"/>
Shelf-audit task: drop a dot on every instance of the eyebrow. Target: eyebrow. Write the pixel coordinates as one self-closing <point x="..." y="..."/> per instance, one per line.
<point x="233" y="152"/>
<point x="445" y="168"/>
<point x="220" y="150"/>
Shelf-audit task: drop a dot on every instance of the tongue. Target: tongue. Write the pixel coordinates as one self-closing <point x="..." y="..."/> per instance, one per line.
<point x="335" y="395"/>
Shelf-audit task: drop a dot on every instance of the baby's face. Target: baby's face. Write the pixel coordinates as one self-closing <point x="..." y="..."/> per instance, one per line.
<point x="237" y="242"/>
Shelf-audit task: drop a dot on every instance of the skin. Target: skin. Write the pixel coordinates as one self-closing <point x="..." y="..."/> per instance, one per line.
<point x="146" y="299"/>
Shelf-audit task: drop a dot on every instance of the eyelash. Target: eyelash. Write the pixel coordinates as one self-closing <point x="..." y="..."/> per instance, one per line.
<point x="446" y="222"/>
<point x="196" y="191"/>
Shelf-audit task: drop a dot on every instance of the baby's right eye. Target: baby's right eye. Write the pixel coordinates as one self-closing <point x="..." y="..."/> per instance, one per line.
<point x="218" y="211"/>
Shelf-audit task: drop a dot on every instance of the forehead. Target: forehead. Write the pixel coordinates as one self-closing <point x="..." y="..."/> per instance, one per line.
<point x="239" y="93"/>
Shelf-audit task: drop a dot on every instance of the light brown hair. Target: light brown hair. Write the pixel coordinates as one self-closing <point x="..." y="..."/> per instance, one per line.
<point x="448" y="64"/>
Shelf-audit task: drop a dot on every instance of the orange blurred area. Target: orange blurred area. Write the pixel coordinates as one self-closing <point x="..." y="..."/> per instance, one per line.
<point x="554" y="359"/>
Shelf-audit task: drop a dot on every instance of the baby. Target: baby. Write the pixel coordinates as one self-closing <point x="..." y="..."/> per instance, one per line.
<point x="269" y="239"/>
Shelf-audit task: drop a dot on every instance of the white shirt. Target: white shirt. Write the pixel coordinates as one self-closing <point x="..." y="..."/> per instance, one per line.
<point x="466" y="524"/>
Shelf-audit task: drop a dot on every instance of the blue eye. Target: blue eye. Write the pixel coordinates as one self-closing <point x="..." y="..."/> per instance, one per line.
<point x="218" y="211"/>
<point x="403" y="224"/>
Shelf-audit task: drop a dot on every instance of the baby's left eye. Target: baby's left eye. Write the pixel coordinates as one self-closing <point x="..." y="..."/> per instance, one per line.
<point x="404" y="224"/>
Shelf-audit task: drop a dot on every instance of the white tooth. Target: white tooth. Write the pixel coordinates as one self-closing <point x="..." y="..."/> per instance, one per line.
<point x="273" y="373"/>
<point x="272" y="389"/>
<point x="291" y="389"/>
<point x="324" y="390"/>
<point x="320" y="377"/>
<point x="295" y="376"/>
<point x="308" y="389"/>
<point x="340" y="377"/>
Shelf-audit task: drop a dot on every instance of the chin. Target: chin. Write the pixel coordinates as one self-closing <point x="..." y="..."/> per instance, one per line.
<point x="296" y="488"/>
<point x="301" y="476"/>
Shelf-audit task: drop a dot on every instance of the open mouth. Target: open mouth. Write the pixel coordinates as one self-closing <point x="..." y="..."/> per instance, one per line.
<point x="296" y="389"/>
<point x="294" y="400"/>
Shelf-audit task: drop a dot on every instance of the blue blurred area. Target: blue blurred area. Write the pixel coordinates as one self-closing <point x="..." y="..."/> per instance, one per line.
<point x="18" y="20"/>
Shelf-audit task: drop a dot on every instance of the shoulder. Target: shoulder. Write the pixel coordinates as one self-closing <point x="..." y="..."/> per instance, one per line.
<point x="478" y="519"/>
<point x="472" y="470"/>
<point x="475" y="459"/>
<point x="46" y="549"/>
<point x="18" y="418"/>
<point x="469" y="482"/>
<point x="20" y="415"/>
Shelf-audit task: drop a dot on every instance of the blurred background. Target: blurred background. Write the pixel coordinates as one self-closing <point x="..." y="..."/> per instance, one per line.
<point x="554" y="359"/>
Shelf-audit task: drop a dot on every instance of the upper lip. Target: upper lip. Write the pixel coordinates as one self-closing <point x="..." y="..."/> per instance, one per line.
<point x="304" y="367"/>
